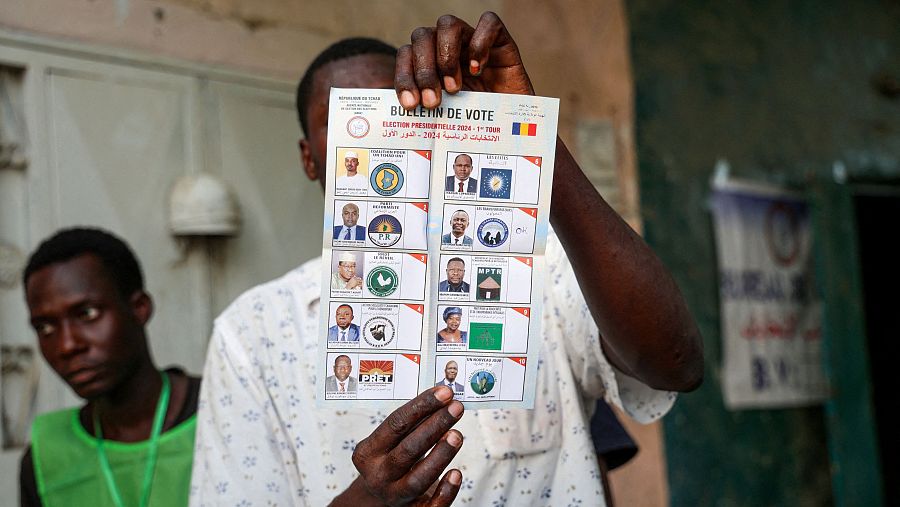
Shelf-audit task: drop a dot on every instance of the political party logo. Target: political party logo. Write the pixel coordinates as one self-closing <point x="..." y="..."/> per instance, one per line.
<point x="376" y="371"/>
<point x="358" y="127"/>
<point x="385" y="230"/>
<point x="382" y="281"/>
<point x="387" y="179"/>
<point x="488" y="283"/>
<point x="493" y="232"/>
<point x="485" y="335"/>
<point x="496" y="183"/>
<point x="379" y="332"/>
<point x="482" y="381"/>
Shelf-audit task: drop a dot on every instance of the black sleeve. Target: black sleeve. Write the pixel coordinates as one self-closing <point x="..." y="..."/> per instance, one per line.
<point x="28" y="493"/>
<point x="193" y="395"/>
<point x="193" y="399"/>
<point x="611" y="441"/>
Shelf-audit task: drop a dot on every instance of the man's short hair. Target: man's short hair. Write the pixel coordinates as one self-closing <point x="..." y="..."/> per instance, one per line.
<point x="338" y="51"/>
<point x="116" y="257"/>
<point x="456" y="259"/>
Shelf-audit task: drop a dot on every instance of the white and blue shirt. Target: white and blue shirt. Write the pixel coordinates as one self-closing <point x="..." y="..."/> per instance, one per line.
<point x="262" y="441"/>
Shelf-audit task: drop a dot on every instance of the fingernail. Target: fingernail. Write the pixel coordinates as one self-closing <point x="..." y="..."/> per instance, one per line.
<point x="455" y="477"/>
<point x="453" y="439"/>
<point x="455" y="408"/>
<point x="449" y="83"/>
<point x="474" y="67"/>
<point x="429" y="98"/>
<point x="407" y="100"/>
<point x="443" y="394"/>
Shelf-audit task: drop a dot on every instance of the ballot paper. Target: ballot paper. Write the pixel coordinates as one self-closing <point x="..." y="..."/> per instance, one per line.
<point x="433" y="248"/>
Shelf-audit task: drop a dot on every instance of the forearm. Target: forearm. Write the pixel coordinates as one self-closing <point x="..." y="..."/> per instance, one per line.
<point x="646" y="328"/>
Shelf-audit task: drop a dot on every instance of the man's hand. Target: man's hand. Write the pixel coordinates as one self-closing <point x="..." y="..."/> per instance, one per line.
<point x="484" y="58"/>
<point x="392" y="461"/>
<point x="354" y="282"/>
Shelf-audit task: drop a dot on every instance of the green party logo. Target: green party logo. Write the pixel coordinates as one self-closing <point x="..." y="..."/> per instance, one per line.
<point x="488" y="282"/>
<point x="485" y="335"/>
<point x="382" y="281"/>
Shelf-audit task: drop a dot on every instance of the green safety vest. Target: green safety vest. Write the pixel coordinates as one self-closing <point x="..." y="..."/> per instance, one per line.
<point x="68" y="473"/>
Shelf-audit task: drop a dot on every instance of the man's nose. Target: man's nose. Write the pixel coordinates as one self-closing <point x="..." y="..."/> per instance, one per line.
<point x="70" y="340"/>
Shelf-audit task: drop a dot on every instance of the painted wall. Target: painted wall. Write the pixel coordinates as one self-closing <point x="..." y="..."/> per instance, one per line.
<point x="782" y="90"/>
<point x="276" y="38"/>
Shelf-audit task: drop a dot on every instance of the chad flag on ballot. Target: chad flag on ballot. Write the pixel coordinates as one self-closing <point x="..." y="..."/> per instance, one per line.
<point x="524" y="129"/>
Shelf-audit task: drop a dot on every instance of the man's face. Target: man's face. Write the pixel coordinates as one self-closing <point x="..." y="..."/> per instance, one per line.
<point x="450" y="371"/>
<point x="458" y="223"/>
<point x="347" y="270"/>
<point x="462" y="166"/>
<point x="361" y="71"/>
<point x="453" y="322"/>
<point x="350" y="214"/>
<point x="343" y="316"/>
<point x="455" y="272"/>
<point x="342" y="368"/>
<point x="88" y="333"/>
<point x="351" y="163"/>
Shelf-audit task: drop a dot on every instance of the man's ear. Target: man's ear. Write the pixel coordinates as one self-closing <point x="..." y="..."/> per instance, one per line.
<point x="306" y="159"/>
<point x="141" y="306"/>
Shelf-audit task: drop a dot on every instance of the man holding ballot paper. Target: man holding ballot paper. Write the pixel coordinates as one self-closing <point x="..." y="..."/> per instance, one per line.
<point x="613" y="325"/>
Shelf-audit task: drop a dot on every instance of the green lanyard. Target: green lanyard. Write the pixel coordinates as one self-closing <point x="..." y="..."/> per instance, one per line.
<point x="158" y="418"/>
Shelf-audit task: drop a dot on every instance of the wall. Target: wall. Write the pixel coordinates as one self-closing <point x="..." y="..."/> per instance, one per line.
<point x="277" y="38"/>
<point x="782" y="90"/>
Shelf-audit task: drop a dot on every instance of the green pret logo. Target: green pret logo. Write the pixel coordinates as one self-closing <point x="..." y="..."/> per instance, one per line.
<point x="382" y="281"/>
<point x="485" y="335"/>
<point x="489" y="281"/>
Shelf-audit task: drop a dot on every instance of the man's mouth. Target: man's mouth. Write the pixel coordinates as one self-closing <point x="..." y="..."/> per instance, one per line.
<point x="83" y="375"/>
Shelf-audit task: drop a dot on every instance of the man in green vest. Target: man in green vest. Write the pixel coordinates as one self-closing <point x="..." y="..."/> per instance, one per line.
<point x="132" y="442"/>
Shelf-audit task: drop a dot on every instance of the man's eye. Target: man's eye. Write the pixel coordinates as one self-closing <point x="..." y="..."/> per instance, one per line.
<point x="43" y="329"/>
<point x="90" y="313"/>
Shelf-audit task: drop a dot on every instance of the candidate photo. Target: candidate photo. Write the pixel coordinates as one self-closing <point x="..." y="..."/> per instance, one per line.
<point x="343" y="330"/>
<point x="461" y="181"/>
<point x="459" y="222"/>
<point x="354" y="179"/>
<point x="341" y="381"/>
<point x="349" y="230"/>
<point x="451" y="369"/>
<point x="451" y="333"/>
<point x="345" y="275"/>
<point x="456" y="272"/>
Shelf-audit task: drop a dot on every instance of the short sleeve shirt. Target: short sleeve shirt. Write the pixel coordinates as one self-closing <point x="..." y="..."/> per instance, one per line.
<point x="262" y="441"/>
